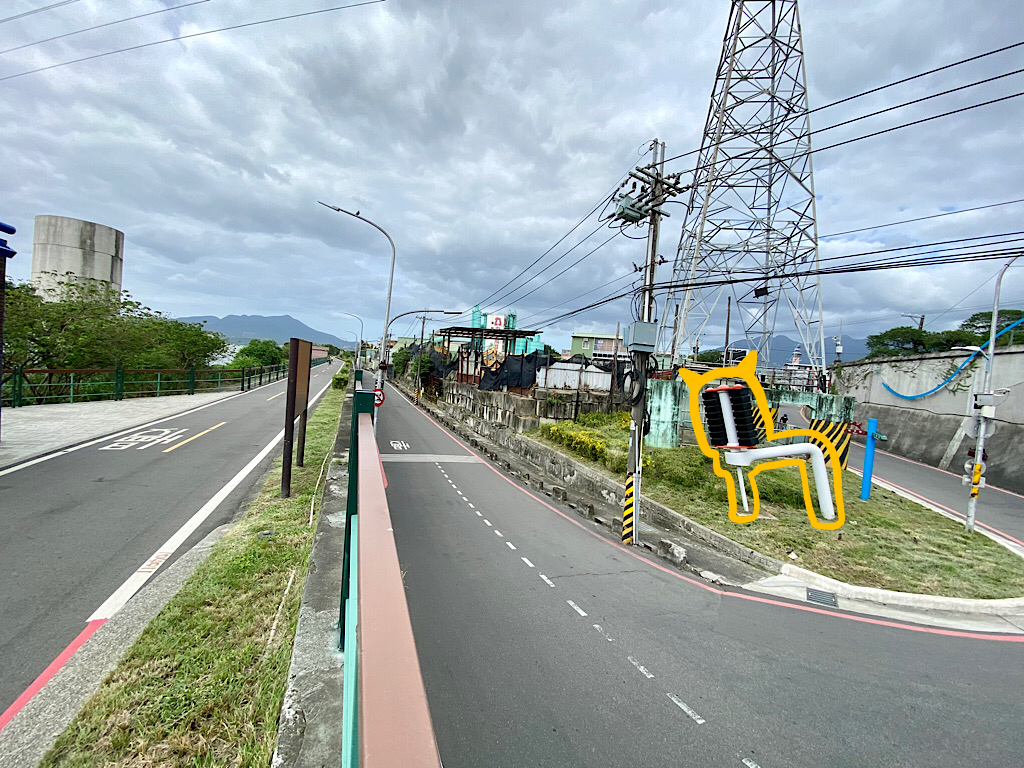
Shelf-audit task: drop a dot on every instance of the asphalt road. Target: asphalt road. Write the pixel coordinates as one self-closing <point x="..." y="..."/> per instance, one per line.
<point x="998" y="510"/>
<point x="571" y="650"/>
<point x="77" y="526"/>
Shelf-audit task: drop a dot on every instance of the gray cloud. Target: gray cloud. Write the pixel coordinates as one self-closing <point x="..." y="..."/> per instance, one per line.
<point x="478" y="134"/>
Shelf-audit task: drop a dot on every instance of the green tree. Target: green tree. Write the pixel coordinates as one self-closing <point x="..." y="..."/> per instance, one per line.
<point x="903" y="340"/>
<point x="422" y="366"/>
<point x="710" y="356"/>
<point x="91" y="326"/>
<point x="980" y="322"/>
<point x="549" y="350"/>
<point x="259" y="352"/>
<point x="400" y="360"/>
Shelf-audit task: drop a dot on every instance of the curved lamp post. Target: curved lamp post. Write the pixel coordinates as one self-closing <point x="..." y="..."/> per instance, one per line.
<point x="359" y="342"/>
<point x="391" y="278"/>
<point x="420" y="312"/>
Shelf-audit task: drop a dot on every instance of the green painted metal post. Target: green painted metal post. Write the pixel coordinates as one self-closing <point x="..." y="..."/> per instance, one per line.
<point x="72" y="386"/>
<point x="16" y="386"/>
<point x="362" y="402"/>
<point x="158" y="383"/>
<point x="350" y="678"/>
<point x="119" y="383"/>
<point x="218" y="380"/>
<point x="192" y="380"/>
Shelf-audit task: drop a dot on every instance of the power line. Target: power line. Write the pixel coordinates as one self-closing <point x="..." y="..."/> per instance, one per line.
<point x="922" y="218"/>
<point x="847" y="269"/>
<point x="101" y="26"/>
<point x="581" y="295"/>
<point x="189" y="36"/>
<point x="37" y="10"/>
<point x="885" y="86"/>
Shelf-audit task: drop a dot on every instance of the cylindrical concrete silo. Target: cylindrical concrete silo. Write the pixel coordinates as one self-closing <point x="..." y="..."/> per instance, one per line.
<point x="86" y="250"/>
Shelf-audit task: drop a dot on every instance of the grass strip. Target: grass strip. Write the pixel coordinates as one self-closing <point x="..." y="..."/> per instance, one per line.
<point x="203" y="684"/>
<point x="887" y="542"/>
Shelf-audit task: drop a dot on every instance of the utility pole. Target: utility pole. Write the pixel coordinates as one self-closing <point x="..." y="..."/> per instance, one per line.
<point x="642" y="335"/>
<point x="6" y="252"/>
<point x="419" y="359"/>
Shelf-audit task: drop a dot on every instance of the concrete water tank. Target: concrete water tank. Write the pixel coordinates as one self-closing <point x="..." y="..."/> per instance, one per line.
<point x="83" y="248"/>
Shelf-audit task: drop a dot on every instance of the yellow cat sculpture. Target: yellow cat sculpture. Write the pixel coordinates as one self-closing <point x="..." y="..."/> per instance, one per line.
<point x="745" y="370"/>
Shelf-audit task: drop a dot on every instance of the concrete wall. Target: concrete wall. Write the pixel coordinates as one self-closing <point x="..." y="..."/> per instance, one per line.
<point x="484" y="411"/>
<point x="87" y="250"/>
<point x="930" y="429"/>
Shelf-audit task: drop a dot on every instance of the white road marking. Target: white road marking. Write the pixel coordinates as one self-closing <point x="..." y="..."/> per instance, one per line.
<point x="487" y="521"/>
<point x="471" y="506"/>
<point x="750" y="763"/>
<point x="643" y="670"/>
<point x="479" y="513"/>
<point x="604" y="634"/>
<point x="527" y="562"/>
<point x="576" y="608"/>
<point x="548" y="581"/>
<point x="510" y="545"/>
<point x="499" y="533"/>
<point x="455" y="486"/>
<point x="134" y="583"/>
<point x="461" y="494"/>
<point x="682" y="705"/>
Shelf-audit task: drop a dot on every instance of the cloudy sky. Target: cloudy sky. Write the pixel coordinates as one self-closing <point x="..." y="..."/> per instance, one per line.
<point x="477" y="133"/>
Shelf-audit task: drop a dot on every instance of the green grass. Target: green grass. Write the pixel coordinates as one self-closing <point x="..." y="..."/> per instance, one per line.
<point x="887" y="542"/>
<point x="203" y="684"/>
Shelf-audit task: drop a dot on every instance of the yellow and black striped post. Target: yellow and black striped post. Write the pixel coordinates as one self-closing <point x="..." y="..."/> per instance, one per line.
<point x="627" y="513"/>
<point x="836" y="432"/>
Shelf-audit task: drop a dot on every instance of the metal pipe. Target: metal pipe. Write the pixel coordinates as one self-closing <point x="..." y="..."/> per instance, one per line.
<point x="810" y="450"/>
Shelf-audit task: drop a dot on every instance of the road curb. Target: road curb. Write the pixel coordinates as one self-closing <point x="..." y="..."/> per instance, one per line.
<point x="1010" y="606"/>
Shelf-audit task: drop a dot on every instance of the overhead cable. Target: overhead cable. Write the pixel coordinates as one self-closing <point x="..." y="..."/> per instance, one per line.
<point x="189" y="36"/>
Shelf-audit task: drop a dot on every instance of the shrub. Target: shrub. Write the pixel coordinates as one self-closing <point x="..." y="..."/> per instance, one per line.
<point x="339" y="380"/>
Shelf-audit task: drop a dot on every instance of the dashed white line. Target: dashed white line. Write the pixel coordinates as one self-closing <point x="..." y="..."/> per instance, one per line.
<point x="643" y="670"/>
<point x="531" y="565"/>
<point x="487" y="521"/>
<point x="471" y="506"/>
<point x="510" y="545"/>
<point x="750" y="763"/>
<point x="576" y="608"/>
<point x="499" y="533"/>
<point x="462" y="494"/>
<point x="547" y="581"/>
<point x="479" y="513"/>
<point x="682" y="705"/>
<point x="604" y="634"/>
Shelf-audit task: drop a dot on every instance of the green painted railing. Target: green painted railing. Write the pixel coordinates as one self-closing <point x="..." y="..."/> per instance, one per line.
<point x="385" y="718"/>
<point x="37" y="386"/>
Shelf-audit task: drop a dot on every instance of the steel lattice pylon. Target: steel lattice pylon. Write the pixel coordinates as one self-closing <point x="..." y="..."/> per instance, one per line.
<point x="751" y="209"/>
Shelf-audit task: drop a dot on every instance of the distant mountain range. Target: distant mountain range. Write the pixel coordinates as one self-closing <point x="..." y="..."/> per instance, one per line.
<point x="241" y="329"/>
<point x="782" y="347"/>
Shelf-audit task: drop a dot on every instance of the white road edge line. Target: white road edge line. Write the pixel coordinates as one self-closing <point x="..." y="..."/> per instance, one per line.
<point x="134" y="583"/>
<point x="576" y="608"/>
<point x="604" y="634"/>
<point x="510" y="545"/>
<point x="547" y="581"/>
<point x="682" y="705"/>
<point x="750" y="763"/>
<point x="643" y="670"/>
<point x="122" y="433"/>
<point x="531" y="565"/>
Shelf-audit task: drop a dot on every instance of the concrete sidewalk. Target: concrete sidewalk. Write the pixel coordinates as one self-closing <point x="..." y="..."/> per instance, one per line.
<point x="35" y="430"/>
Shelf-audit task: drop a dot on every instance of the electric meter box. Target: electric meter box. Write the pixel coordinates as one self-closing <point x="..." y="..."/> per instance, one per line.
<point x="641" y="337"/>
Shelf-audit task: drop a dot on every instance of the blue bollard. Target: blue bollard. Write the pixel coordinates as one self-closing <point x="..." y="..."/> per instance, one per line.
<point x="869" y="459"/>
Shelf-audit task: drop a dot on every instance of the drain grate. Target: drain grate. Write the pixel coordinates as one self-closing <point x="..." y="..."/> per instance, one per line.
<point x="821" y="597"/>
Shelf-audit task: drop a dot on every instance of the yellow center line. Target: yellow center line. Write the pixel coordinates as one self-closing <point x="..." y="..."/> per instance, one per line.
<point x="189" y="440"/>
<point x="277" y="395"/>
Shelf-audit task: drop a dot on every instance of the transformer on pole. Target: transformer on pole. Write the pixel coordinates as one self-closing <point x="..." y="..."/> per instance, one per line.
<point x="751" y="210"/>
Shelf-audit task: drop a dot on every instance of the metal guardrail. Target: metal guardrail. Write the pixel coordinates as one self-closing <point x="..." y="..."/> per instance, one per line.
<point x="36" y="386"/>
<point x="385" y="718"/>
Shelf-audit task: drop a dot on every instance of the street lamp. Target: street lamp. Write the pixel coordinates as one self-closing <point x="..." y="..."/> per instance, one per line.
<point x="359" y="348"/>
<point x="985" y="401"/>
<point x="384" y="341"/>
<point x="391" y="279"/>
<point x="919" y="318"/>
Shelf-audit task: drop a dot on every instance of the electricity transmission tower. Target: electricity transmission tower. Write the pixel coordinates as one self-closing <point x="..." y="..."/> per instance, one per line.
<point x="751" y="210"/>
